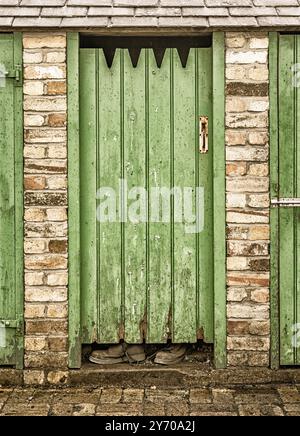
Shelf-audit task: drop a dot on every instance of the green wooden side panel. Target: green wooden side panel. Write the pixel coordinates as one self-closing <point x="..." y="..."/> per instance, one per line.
<point x="159" y="308"/>
<point x="135" y="133"/>
<point x="185" y="255"/>
<point x="219" y="208"/>
<point x="109" y="173"/>
<point x="204" y="170"/>
<point x="289" y="182"/>
<point x="88" y="190"/>
<point x="274" y="170"/>
<point x="11" y="267"/>
<point x="74" y="201"/>
<point x="147" y="281"/>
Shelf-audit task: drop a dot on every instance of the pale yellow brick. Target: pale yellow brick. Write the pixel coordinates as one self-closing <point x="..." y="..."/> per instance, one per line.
<point x="235" y="41"/>
<point x="238" y="104"/>
<point x="58" y="151"/>
<point x="256" y="43"/>
<point x="237" y="263"/>
<point x="34" y="120"/>
<point x="258" y="73"/>
<point x="56" y="214"/>
<point x="44" y="72"/>
<point x="57" y="311"/>
<point x="55" y="57"/>
<point x="33" y="88"/>
<point x="258" y="200"/>
<point x="260" y="170"/>
<point x="57" y="279"/>
<point x="35" y="214"/>
<point x="56" y="182"/>
<point x="34" y="377"/>
<point x="34" y="311"/>
<point x="34" y="151"/>
<point x="35" y="246"/>
<point x="32" y="57"/>
<point x="45" y="294"/>
<point x="236" y="200"/>
<point x="34" y="278"/>
<point x="44" y="40"/>
<point x="237" y="72"/>
<point x="258" y="138"/>
<point x="35" y="343"/>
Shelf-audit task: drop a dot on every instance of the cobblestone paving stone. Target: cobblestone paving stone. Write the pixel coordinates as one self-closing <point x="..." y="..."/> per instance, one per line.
<point x="260" y="400"/>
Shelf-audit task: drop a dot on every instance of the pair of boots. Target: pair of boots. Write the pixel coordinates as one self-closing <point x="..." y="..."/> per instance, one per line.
<point x="122" y="353"/>
<point x="136" y="354"/>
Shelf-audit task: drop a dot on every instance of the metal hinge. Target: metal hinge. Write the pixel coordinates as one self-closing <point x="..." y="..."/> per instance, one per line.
<point x="15" y="74"/>
<point x="203" y="133"/>
<point x="286" y="202"/>
<point x="13" y="324"/>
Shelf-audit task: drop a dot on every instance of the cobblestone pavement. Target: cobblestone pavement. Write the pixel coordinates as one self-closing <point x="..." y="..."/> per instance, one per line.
<point x="261" y="400"/>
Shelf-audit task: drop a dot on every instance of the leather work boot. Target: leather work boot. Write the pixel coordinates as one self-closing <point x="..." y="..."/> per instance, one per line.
<point x="135" y="353"/>
<point x="113" y="355"/>
<point x="171" y="355"/>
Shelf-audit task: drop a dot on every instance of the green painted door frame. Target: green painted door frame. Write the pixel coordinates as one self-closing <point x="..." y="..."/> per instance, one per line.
<point x="285" y="176"/>
<point x="11" y="202"/>
<point x="219" y="200"/>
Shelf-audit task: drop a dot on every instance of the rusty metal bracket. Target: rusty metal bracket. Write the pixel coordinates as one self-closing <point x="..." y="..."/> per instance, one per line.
<point x="285" y="202"/>
<point x="203" y="134"/>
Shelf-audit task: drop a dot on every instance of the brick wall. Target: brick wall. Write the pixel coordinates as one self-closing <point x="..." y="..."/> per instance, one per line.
<point x="45" y="153"/>
<point x="247" y="151"/>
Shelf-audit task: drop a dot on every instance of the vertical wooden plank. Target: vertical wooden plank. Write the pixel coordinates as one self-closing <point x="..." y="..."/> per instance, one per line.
<point x="220" y="342"/>
<point x="7" y="183"/>
<point x="297" y="193"/>
<point x="274" y="168"/>
<point x="19" y="228"/>
<point x="287" y="189"/>
<point x="74" y="204"/>
<point x="8" y="270"/>
<point x="204" y="178"/>
<point x="160" y="293"/>
<point x="135" y="173"/>
<point x="89" y="101"/>
<point x="184" y="297"/>
<point x="109" y="175"/>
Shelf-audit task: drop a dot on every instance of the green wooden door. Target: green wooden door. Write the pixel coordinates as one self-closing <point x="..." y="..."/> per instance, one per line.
<point x="288" y="201"/>
<point x="11" y="175"/>
<point x="145" y="275"/>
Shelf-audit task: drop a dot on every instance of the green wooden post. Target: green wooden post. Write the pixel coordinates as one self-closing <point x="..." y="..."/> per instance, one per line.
<point x="74" y="195"/>
<point x="274" y="174"/>
<point x="11" y="203"/>
<point x="220" y="342"/>
<point x="19" y="209"/>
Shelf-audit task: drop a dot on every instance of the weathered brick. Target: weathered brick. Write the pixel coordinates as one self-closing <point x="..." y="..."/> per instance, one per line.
<point x="46" y="359"/>
<point x="46" y="327"/>
<point x="45" y="40"/>
<point x="56" y="88"/>
<point x="248" y="343"/>
<point x="57" y="120"/>
<point x="46" y="261"/>
<point x="45" y="294"/>
<point x="248" y="311"/>
<point x="34" y="378"/>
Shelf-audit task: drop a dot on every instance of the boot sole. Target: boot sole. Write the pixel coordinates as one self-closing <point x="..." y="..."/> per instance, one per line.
<point x="169" y="363"/>
<point x="108" y="361"/>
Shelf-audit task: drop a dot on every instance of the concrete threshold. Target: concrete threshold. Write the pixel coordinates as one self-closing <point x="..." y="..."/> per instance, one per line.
<point x="143" y="376"/>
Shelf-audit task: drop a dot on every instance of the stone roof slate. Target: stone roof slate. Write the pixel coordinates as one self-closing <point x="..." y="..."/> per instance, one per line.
<point x="150" y="13"/>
